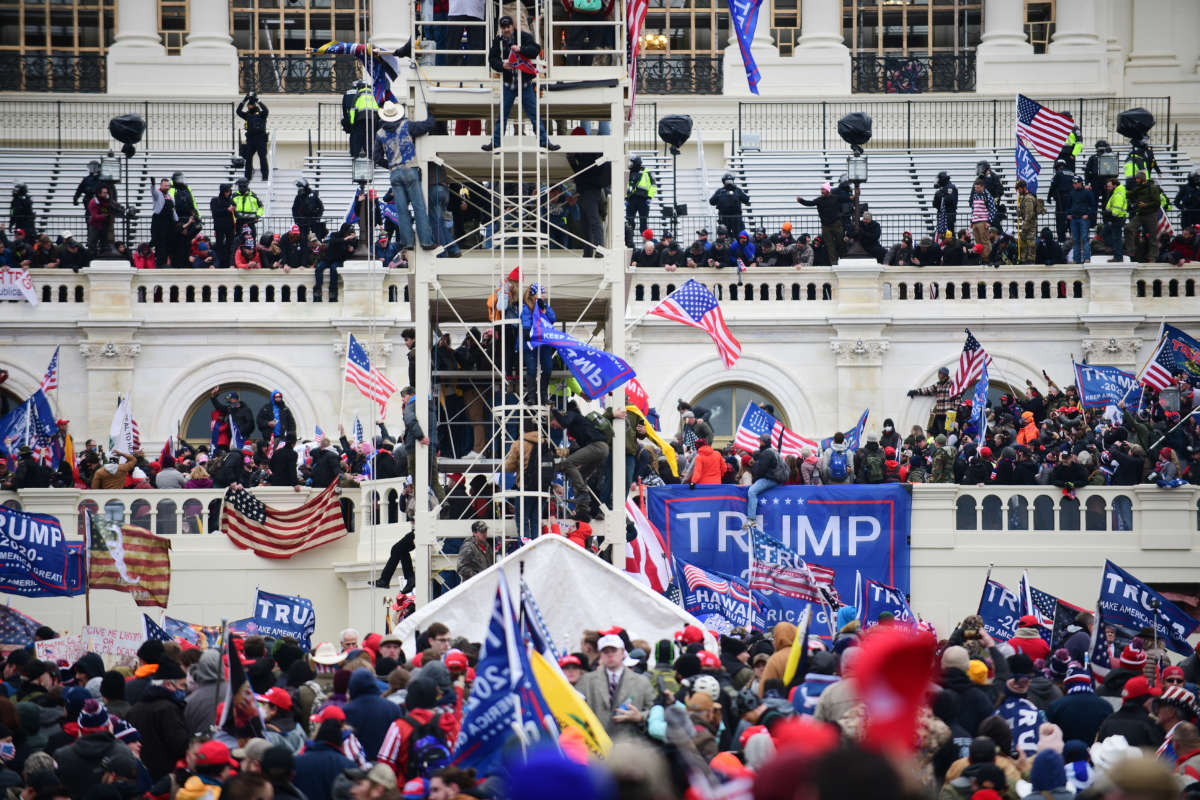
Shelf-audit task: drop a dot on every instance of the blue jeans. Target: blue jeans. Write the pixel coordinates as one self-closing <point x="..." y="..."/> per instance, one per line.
<point x="529" y="521"/>
<point x="758" y="487"/>
<point x="528" y="104"/>
<point x="1114" y="234"/>
<point x="604" y="127"/>
<point x="332" y="266"/>
<point x="1081" y="235"/>
<point x="540" y="359"/>
<point x="439" y="197"/>
<point x="406" y="189"/>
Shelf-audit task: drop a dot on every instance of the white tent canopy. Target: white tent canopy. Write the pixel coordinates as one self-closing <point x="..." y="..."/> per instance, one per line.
<point x="574" y="589"/>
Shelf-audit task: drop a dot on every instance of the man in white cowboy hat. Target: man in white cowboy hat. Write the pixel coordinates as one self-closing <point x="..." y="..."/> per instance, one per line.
<point x="394" y="150"/>
<point x="326" y="659"/>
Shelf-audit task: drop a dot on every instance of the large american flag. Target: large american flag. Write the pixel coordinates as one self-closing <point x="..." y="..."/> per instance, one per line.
<point x="274" y="533"/>
<point x="635" y="15"/>
<point x="371" y="382"/>
<point x="50" y="381"/>
<point x="1046" y="130"/>
<point x="970" y="364"/>
<point x="15" y="627"/>
<point x="693" y="304"/>
<point x="776" y="569"/>
<point x="1164" y="224"/>
<point x="757" y="422"/>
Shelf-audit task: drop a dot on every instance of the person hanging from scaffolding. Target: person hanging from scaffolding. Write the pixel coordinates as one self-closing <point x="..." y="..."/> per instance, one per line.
<point x="513" y="55"/>
<point x="395" y="151"/>
<point x="254" y="112"/>
<point x="358" y="114"/>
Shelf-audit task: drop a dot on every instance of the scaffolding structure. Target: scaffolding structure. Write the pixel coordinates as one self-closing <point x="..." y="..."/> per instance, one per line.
<point x="511" y="189"/>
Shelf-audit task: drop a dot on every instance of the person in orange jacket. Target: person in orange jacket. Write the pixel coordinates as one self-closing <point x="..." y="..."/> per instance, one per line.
<point x="709" y="466"/>
<point x="1029" y="430"/>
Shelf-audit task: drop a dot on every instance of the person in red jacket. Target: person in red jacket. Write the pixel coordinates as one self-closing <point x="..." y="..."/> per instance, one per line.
<point x="709" y="466"/>
<point x="421" y="702"/>
<point x="1028" y="640"/>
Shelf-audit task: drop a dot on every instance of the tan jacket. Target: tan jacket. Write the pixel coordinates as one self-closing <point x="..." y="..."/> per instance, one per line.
<point x="784" y="634"/>
<point x="103" y="479"/>
<point x="513" y="460"/>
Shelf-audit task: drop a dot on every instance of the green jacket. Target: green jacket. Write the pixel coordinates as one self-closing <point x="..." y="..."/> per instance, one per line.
<point x="1144" y="198"/>
<point x="943" y="465"/>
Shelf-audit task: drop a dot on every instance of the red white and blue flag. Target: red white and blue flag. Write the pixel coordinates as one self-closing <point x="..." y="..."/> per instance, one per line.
<point x="50" y="381"/>
<point x="646" y="555"/>
<point x="381" y="66"/>
<point x="693" y="304"/>
<point x="970" y="364"/>
<point x="756" y="422"/>
<point x="775" y="568"/>
<point x="371" y="382"/>
<point x="1046" y="130"/>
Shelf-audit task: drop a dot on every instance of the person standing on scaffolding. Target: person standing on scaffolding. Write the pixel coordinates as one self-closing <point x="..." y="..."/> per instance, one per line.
<point x="512" y="56"/>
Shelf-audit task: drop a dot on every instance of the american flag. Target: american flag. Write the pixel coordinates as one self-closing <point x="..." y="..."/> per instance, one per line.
<point x="382" y="66"/>
<point x="1177" y="352"/>
<point x="970" y="364"/>
<point x="1164" y="225"/>
<point x="371" y="382"/>
<point x="126" y="558"/>
<point x="153" y="632"/>
<point x="1053" y="614"/>
<point x="274" y="533"/>
<point x="358" y="430"/>
<point x="15" y="627"/>
<point x="776" y="569"/>
<point x="50" y="381"/>
<point x="318" y="434"/>
<point x="646" y="559"/>
<point x="697" y="578"/>
<point x="693" y="304"/>
<point x="635" y="15"/>
<point x="757" y="422"/>
<point x="1046" y="130"/>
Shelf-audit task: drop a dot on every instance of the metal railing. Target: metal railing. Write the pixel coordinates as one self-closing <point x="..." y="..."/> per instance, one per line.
<point x="935" y="123"/>
<point x="329" y="134"/>
<point x="82" y="73"/>
<point x="680" y="74"/>
<point x="83" y="124"/>
<point x="643" y="127"/>
<point x="913" y="74"/>
<point x="139" y="226"/>
<point x="302" y="73"/>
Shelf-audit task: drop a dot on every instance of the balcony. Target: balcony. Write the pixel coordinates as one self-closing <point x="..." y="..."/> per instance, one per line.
<point x="872" y="73"/>
<point x="700" y="73"/>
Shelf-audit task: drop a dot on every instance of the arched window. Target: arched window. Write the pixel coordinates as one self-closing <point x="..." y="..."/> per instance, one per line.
<point x="8" y="401"/>
<point x="196" y="424"/>
<point x="728" y="402"/>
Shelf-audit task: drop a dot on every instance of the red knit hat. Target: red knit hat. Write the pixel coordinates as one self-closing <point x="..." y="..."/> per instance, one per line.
<point x="1133" y="657"/>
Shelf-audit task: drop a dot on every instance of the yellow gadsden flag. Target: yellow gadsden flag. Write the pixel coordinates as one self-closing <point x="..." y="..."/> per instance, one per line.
<point x="569" y="709"/>
<point x="666" y="449"/>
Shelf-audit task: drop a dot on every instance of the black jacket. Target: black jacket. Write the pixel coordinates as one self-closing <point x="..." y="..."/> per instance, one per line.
<point x="1132" y="722"/>
<point x="222" y="217"/>
<point x="729" y="202"/>
<point x="946" y="197"/>
<point x="266" y="420"/>
<point x="242" y="416"/>
<point x="579" y="426"/>
<point x="31" y="475"/>
<point x="256" y="120"/>
<point x="79" y="763"/>
<point x="325" y="468"/>
<point x="283" y="467"/>
<point x="158" y="716"/>
<point x="829" y="208"/>
<point x="590" y="175"/>
<point x="973" y="703"/>
<point x="498" y="54"/>
<point x="307" y="208"/>
<point x="765" y="461"/>
<point x="385" y="466"/>
<point x="295" y="251"/>
<point x="232" y="470"/>
<point x="1059" y="192"/>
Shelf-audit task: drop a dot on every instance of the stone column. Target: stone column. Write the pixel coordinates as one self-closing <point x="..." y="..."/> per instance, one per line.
<point x="1004" y="27"/>
<point x="208" y="26"/>
<point x="137" y="27"/>
<point x="390" y="23"/>
<point x="820" y="63"/>
<point x="1150" y="18"/>
<point x="765" y="54"/>
<point x="1075" y="25"/>
<point x="209" y="56"/>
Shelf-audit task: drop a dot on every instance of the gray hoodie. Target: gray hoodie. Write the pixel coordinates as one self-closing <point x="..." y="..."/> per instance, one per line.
<point x="200" y="713"/>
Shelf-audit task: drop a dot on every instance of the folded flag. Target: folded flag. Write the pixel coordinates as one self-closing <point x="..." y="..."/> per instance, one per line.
<point x="275" y="533"/>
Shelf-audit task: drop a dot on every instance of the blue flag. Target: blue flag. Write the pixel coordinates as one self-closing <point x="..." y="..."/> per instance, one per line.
<point x="720" y="601"/>
<point x="1128" y="603"/>
<point x="598" y="372"/>
<point x="1028" y="168"/>
<point x="31" y="424"/>
<point x="512" y="704"/>
<point x="235" y="435"/>
<point x="979" y="404"/>
<point x="853" y="436"/>
<point x="1000" y="609"/>
<point x="153" y="632"/>
<point x="206" y="636"/>
<point x="743" y="17"/>
<point x="282" y="615"/>
<point x="1106" y="386"/>
<point x="35" y="558"/>
<point x="878" y="598"/>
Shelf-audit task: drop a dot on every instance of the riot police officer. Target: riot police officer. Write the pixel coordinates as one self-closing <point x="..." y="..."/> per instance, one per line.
<point x="729" y="200"/>
<point x="1091" y="171"/>
<point x="639" y="193"/>
<point x="21" y="213"/>
<point x="254" y="112"/>
<point x="991" y="181"/>
<point x="945" y="200"/>
<point x="1059" y="194"/>
<point x="1188" y="200"/>
<point x="89" y="185"/>
<point x="307" y="210"/>
<point x="247" y="208"/>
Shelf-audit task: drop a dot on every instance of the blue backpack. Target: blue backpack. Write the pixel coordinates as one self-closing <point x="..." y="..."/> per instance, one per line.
<point x="837" y="465"/>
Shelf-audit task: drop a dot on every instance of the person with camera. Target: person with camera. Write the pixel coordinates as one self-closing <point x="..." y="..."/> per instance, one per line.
<point x="254" y="112"/>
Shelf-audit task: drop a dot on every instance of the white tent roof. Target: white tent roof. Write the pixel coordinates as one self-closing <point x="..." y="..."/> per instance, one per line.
<point x="574" y="589"/>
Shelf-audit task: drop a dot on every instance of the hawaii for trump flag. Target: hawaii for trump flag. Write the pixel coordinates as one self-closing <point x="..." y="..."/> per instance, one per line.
<point x="125" y="558"/>
<point x="719" y="601"/>
<point x="281" y="533"/>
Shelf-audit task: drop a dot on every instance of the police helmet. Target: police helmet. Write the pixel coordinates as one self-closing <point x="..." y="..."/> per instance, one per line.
<point x="20" y="188"/>
<point x="943" y="178"/>
<point x="727" y="177"/>
<point x="93" y="167"/>
<point x="302" y="184"/>
<point x="1102" y="146"/>
<point x="635" y="162"/>
<point x="1194" y="178"/>
<point x="722" y="230"/>
<point x="177" y="177"/>
<point x="1060" y="163"/>
<point x="982" y="167"/>
<point x="360" y="84"/>
<point x="224" y="187"/>
<point x="243" y="184"/>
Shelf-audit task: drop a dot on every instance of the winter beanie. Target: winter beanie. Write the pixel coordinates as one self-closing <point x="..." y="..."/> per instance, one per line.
<point x="977" y="671"/>
<point x="956" y="657"/>
<point x="1048" y="772"/>
<point x="1133" y="658"/>
<point x="93" y="716"/>
<point x="1059" y="663"/>
<point x="1078" y="680"/>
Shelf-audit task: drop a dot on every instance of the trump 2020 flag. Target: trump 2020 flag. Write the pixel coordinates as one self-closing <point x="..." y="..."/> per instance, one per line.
<point x="1028" y="168"/>
<point x="853" y="436"/>
<point x="743" y="16"/>
<point x="1127" y="602"/>
<point x="598" y="372"/>
<point x="1000" y="609"/>
<point x="513" y="705"/>
<point x="1101" y="386"/>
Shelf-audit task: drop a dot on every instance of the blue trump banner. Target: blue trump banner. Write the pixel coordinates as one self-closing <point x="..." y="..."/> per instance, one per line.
<point x="1106" y="386"/>
<point x="1128" y="603"/>
<point x="1028" y="168"/>
<point x="35" y="558"/>
<point x="978" y="422"/>
<point x="837" y="530"/>
<point x="743" y="17"/>
<point x="1000" y="609"/>
<point x="282" y="615"/>
<point x="879" y="598"/>
<point x="510" y="705"/>
<point x="598" y="372"/>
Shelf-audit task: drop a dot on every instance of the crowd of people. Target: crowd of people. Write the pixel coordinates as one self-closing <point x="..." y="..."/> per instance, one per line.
<point x="738" y="717"/>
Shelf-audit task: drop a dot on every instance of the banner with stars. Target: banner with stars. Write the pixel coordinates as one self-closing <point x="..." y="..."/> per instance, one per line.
<point x="841" y="529"/>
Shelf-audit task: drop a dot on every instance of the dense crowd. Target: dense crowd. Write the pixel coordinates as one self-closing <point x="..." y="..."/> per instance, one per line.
<point x="738" y="717"/>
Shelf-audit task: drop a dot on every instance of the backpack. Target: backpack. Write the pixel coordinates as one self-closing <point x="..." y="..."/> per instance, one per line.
<point x="1039" y="206"/>
<point x="874" y="468"/>
<point x="587" y="6"/>
<point x="427" y="748"/>
<point x="837" y="465"/>
<point x="600" y="423"/>
<point x="780" y="473"/>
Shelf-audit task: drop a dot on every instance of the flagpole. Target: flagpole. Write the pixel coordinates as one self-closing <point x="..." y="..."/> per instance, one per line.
<point x="87" y="567"/>
<point x="342" y="404"/>
<point x="1168" y="433"/>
